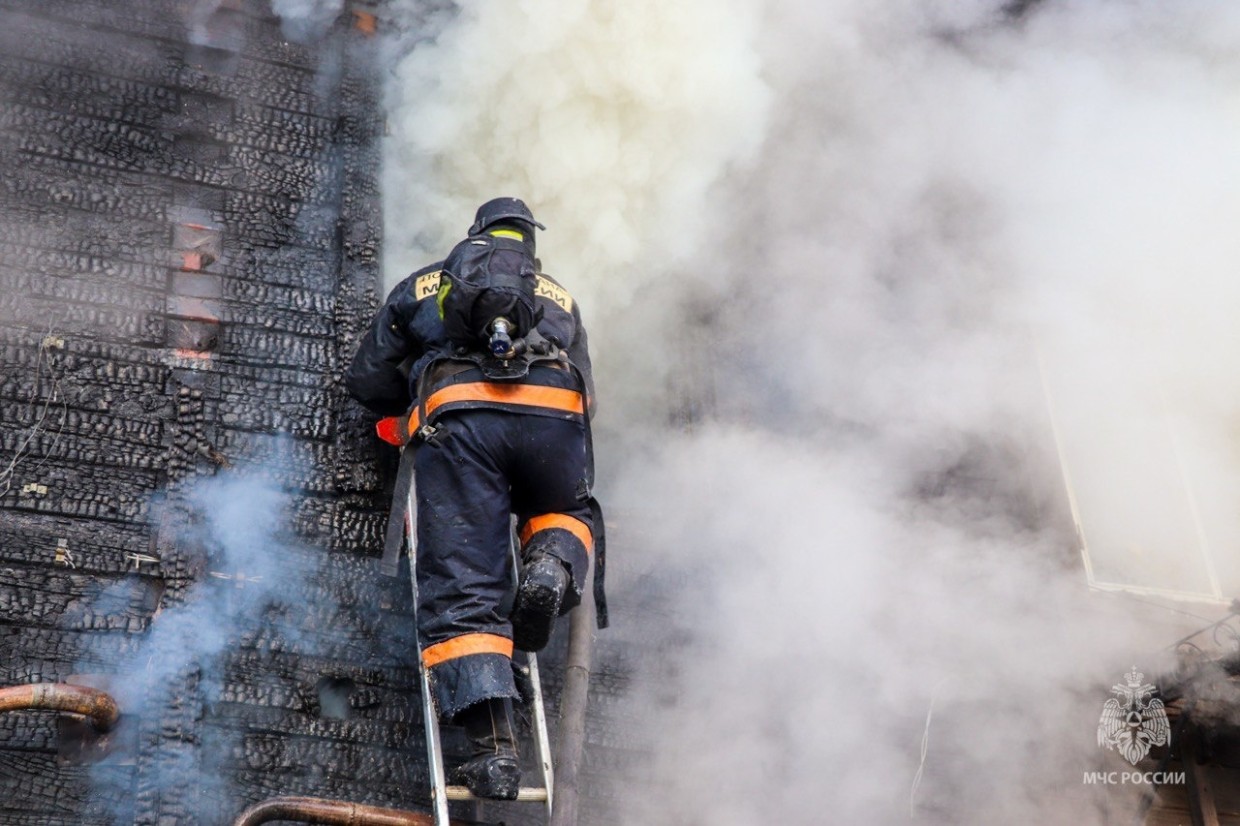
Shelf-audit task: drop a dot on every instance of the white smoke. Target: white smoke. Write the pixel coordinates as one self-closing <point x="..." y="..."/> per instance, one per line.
<point x="551" y="107"/>
<point x="304" y="21"/>
<point x="872" y="221"/>
<point x="584" y="114"/>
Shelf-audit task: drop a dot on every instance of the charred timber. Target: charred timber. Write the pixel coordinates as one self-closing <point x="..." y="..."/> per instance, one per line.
<point x="93" y="704"/>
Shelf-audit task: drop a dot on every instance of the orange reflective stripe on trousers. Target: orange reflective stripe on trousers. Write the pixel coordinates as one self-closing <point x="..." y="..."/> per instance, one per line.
<point x="465" y="645"/>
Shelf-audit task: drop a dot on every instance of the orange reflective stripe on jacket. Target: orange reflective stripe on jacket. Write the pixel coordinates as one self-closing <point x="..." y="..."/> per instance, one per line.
<point x="397" y="430"/>
<point x="522" y="395"/>
<point x="571" y="524"/>
<point x="465" y="645"/>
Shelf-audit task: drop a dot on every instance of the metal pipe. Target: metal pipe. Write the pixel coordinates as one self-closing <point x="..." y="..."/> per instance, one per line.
<point x="97" y="706"/>
<point x="331" y="812"/>
<point x="573" y="701"/>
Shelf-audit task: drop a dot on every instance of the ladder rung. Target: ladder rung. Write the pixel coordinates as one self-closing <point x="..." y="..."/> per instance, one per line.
<point x="525" y="794"/>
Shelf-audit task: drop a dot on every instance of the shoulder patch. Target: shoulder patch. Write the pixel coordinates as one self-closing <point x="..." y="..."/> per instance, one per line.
<point x="546" y="288"/>
<point x="426" y="286"/>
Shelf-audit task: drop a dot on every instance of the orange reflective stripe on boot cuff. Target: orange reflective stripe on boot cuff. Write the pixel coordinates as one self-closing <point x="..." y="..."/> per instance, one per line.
<point x="465" y="645"/>
<point x="571" y="524"/>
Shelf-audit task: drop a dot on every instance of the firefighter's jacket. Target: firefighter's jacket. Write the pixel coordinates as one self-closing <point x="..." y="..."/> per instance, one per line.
<point x="408" y="333"/>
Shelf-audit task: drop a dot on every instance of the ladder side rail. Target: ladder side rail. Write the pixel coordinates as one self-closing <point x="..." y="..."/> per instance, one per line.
<point x="430" y="717"/>
<point x="542" y="740"/>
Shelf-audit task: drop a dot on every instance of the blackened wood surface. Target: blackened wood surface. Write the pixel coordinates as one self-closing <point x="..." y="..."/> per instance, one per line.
<point x="130" y="372"/>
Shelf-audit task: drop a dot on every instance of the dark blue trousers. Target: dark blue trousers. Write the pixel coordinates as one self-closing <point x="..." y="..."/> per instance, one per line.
<point x="485" y="467"/>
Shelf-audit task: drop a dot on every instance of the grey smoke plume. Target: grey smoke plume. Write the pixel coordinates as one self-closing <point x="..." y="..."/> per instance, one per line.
<point x="873" y="238"/>
<point x="254" y="576"/>
<point x="252" y="564"/>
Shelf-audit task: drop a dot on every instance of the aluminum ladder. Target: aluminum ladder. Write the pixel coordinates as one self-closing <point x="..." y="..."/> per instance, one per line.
<point x="441" y="792"/>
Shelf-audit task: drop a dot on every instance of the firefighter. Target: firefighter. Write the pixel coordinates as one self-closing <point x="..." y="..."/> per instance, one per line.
<point x="498" y="448"/>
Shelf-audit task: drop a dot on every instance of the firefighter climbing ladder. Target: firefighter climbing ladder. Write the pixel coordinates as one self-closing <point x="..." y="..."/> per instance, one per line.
<point x="441" y="792"/>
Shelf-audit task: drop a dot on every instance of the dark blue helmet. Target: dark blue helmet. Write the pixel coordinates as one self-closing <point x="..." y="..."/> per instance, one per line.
<point x="498" y="210"/>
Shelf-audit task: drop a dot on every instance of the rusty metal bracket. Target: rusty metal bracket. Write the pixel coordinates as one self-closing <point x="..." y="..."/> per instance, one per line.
<point x="334" y="812"/>
<point x="98" y="706"/>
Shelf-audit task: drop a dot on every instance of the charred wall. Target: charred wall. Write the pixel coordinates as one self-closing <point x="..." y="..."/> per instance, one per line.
<point x="189" y="228"/>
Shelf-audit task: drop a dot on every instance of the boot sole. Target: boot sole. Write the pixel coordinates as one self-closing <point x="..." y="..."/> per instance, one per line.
<point x="498" y="778"/>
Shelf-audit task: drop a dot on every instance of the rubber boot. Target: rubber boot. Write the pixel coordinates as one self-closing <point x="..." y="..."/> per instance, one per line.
<point x="543" y="584"/>
<point x="493" y="771"/>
